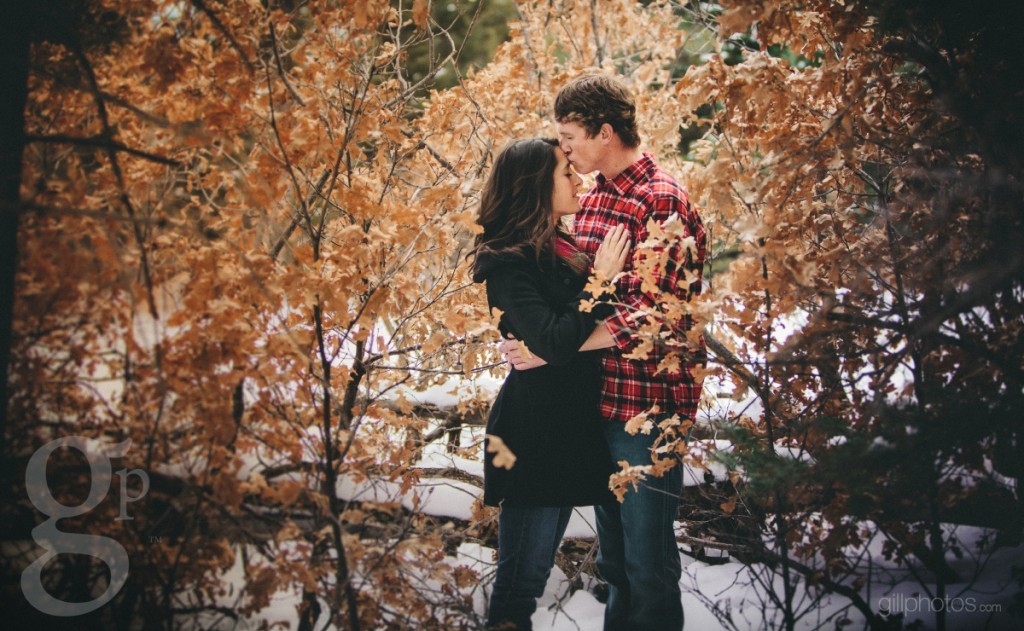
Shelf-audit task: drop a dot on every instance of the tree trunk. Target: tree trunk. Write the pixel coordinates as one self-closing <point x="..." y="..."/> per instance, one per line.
<point x="14" y="42"/>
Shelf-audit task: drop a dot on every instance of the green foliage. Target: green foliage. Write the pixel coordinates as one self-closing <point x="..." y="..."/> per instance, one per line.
<point x="474" y="37"/>
<point x="796" y="60"/>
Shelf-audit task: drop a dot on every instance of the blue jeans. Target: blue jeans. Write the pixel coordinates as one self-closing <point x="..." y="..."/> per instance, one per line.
<point x="638" y="554"/>
<point x="528" y="538"/>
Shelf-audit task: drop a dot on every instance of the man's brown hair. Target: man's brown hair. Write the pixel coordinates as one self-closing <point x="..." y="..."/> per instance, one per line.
<point x="591" y="100"/>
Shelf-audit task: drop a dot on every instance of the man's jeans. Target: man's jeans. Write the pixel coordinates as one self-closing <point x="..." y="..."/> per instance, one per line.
<point x="638" y="555"/>
<point x="528" y="538"/>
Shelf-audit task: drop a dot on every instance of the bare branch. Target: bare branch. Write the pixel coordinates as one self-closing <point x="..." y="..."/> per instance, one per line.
<point x="102" y="141"/>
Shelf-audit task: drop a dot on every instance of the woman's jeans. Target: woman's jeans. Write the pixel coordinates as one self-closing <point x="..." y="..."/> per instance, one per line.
<point x="528" y="538"/>
<point x="638" y="554"/>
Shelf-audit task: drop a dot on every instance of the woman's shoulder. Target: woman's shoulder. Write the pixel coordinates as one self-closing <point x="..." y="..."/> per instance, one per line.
<point x="487" y="264"/>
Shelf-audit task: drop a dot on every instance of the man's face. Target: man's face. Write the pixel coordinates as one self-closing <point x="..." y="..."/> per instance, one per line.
<point x="583" y="152"/>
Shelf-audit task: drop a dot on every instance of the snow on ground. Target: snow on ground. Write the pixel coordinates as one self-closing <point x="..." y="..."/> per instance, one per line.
<point x="719" y="596"/>
<point x="728" y="595"/>
<point x="728" y="589"/>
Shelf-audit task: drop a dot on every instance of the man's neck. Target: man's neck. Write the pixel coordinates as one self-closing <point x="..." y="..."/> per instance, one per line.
<point x="619" y="161"/>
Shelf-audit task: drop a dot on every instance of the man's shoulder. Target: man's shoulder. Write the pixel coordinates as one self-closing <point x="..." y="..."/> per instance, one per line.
<point x="664" y="184"/>
<point x="660" y="190"/>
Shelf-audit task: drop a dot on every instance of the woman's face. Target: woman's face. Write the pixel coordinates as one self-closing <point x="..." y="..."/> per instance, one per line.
<point x="565" y="196"/>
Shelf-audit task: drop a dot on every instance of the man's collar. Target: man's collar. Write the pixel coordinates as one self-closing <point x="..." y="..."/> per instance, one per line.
<point x="630" y="177"/>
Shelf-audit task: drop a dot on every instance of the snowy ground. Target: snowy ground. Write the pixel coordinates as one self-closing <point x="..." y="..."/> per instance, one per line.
<point x="728" y="595"/>
<point x="725" y="596"/>
<point x="719" y="596"/>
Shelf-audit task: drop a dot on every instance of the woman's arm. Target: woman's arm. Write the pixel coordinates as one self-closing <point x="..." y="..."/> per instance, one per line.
<point x="608" y="262"/>
<point x="521" y="358"/>
<point x="552" y="331"/>
<point x="601" y="337"/>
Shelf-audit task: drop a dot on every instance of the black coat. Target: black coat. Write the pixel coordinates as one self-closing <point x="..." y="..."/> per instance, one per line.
<point x="548" y="416"/>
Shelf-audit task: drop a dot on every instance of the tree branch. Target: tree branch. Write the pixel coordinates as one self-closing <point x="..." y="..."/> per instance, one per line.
<point x="102" y="141"/>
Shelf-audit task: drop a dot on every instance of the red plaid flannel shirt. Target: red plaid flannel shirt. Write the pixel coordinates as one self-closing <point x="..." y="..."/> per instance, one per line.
<point x="641" y="193"/>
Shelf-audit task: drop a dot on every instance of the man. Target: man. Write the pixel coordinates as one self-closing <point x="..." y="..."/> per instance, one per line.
<point x="638" y="557"/>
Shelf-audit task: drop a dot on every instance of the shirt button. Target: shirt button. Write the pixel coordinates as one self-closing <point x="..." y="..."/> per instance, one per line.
<point x="565" y="281"/>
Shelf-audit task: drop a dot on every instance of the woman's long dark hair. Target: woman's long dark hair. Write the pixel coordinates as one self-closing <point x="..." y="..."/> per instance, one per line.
<point x="515" y="206"/>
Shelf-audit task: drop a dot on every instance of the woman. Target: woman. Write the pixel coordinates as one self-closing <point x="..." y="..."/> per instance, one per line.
<point x="548" y="417"/>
